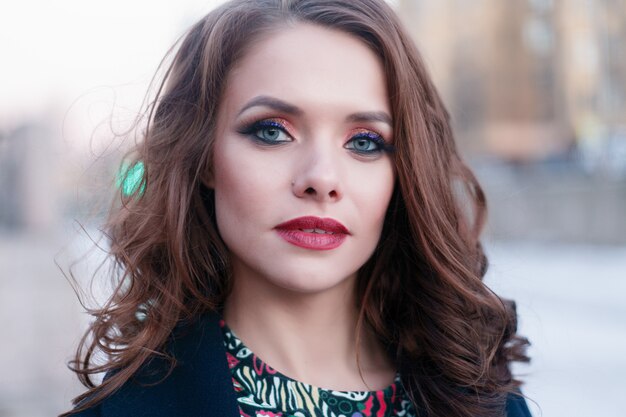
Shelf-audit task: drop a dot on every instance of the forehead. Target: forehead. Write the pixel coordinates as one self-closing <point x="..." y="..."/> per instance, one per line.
<point x="309" y="64"/>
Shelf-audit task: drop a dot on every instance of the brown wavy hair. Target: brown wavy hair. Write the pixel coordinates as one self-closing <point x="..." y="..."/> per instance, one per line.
<point x="450" y="336"/>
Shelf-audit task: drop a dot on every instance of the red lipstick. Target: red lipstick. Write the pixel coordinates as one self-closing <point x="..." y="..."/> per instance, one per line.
<point x="313" y="232"/>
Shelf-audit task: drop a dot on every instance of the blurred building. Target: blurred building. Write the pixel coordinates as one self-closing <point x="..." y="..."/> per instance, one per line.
<point x="28" y="178"/>
<point x="9" y="206"/>
<point x="525" y="80"/>
<point x="537" y="94"/>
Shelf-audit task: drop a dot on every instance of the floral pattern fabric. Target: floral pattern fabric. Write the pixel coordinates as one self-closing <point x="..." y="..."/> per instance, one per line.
<point x="264" y="392"/>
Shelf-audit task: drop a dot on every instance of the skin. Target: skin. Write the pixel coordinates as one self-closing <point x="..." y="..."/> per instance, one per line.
<point x="294" y="307"/>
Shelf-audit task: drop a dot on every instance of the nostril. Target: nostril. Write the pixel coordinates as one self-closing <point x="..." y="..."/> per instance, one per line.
<point x="316" y="193"/>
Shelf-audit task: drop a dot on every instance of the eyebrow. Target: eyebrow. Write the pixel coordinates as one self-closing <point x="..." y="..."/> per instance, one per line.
<point x="370" y="116"/>
<point x="283" y="106"/>
<point x="272" y="103"/>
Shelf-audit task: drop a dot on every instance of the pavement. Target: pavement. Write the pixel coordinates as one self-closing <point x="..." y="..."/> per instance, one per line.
<point x="571" y="302"/>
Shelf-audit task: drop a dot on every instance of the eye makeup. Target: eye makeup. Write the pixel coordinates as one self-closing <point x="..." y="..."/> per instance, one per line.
<point x="369" y="143"/>
<point x="266" y="131"/>
<point x="274" y="131"/>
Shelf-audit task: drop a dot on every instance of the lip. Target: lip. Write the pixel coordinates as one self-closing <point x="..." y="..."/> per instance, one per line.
<point x="297" y="232"/>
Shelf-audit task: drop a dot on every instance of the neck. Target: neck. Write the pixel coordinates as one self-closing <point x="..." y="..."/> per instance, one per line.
<point x="309" y="337"/>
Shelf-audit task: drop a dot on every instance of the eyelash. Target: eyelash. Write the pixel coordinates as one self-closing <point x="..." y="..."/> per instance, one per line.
<point x="253" y="128"/>
<point x="381" y="144"/>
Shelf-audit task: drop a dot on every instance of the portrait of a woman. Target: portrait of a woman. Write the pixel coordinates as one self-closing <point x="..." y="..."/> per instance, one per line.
<point x="296" y="234"/>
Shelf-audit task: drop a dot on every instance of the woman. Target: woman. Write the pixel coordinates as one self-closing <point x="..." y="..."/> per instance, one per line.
<point x="298" y="241"/>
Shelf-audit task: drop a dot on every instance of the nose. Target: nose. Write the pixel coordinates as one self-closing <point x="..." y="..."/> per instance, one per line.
<point x="318" y="177"/>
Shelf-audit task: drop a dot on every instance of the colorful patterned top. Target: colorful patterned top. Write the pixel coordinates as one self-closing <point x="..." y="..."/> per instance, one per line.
<point x="264" y="392"/>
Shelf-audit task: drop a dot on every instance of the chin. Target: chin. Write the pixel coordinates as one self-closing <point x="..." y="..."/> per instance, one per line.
<point x="307" y="282"/>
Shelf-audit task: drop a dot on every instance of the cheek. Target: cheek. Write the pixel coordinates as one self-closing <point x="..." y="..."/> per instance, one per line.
<point x="233" y="188"/>
<point x="233" y="174"/>
<point x="244" y="194"/>
<point x="229" y="191"/>
<point x="376" y="187"/>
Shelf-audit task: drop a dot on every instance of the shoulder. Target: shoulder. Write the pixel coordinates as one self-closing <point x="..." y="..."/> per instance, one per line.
<point x="90" y="412"/>
<point x="198" y="383"/>
<point x="516" y="405"/>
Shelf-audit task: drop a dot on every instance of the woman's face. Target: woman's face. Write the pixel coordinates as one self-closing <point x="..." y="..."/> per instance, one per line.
<point x="302" y="170"/>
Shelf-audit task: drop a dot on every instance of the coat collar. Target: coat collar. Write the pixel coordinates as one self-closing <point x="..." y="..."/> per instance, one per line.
<point x="199" y="385"/>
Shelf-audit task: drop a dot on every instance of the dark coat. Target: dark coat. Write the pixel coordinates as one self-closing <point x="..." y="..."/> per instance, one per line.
<point x="200" y="385"/>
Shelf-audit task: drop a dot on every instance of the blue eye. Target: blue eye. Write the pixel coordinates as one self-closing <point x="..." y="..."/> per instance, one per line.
<point x="368" y="143"/>
<point x="267" y="131"/>
<point x="364" y="145"/>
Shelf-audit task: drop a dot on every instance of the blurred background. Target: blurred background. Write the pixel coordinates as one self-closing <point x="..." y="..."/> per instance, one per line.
<point x="537" y="93"/>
